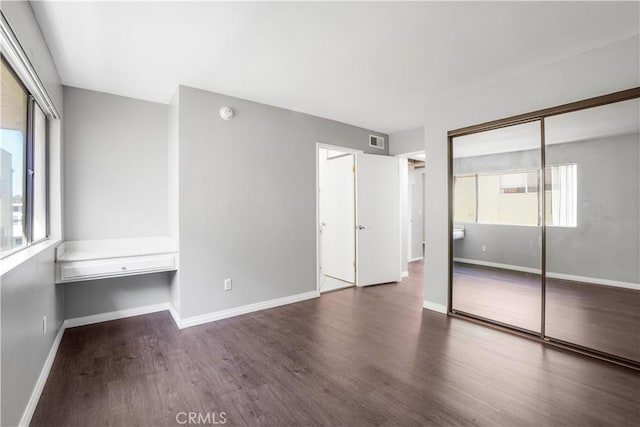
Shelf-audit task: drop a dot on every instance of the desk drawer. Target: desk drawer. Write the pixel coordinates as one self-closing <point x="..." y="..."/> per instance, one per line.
<point x="114" y="267"/>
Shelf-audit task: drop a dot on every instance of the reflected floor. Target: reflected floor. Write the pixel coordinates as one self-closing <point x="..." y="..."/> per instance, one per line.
<point x="604" y="318"/>
<point x="506" y="296"/>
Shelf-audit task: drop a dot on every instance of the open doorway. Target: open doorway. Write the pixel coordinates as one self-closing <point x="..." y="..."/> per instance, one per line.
<point x="336" y="218"/>
<point x="358" y="233"/>
<point x="412" y="206"/>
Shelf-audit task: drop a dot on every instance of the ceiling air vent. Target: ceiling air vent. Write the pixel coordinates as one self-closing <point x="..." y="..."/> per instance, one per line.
<point x="376" y="141"/>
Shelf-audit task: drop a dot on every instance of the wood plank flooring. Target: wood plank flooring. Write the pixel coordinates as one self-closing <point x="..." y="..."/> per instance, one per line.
<point x="354" y="357"/>
<point x="604" y="318"/>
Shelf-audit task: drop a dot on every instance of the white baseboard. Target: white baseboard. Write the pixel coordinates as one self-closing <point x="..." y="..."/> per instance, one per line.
<point x="250" y="308"/>
<point x="499" y="265"/>
<point x="42" y="380"/>
<point x="440" y="308"/>
<point x="416" y="259"/>
<point x="114" y="315"/>
<point x="594" y="281"/>
<point x="552" y="275"/>
<point x="174" y="313"/>
<point x="404" y="274"/>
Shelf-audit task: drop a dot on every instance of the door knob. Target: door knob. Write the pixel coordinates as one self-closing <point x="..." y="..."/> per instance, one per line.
<point x="362" y="227"/>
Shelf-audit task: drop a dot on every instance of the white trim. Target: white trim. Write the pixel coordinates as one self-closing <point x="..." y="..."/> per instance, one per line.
<point x="244" y="309"/>
<point x="23" y="255"/>
<point x="42" y="380"/>
<point x="21" y="64"/>
<point x="499" y="265"/>
<point x="595" y="281"/>
<point x="347" y="150"/>
<point x="377" y="138"/>
<point x="418" y="258"/>
<point x="404" y="274"/>
<point x="440" y="308"/>
<point x="174" y="313"/>
<point x="114" y="315"/>
<point x="552" y="275"/>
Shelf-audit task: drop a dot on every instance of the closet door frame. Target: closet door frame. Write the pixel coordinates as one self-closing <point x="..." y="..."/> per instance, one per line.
<point x="538" y="115"/>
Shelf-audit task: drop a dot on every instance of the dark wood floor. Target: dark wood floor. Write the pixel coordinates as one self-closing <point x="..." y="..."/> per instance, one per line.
<point x="604" y="318"/>
<point x="355" y="357"/>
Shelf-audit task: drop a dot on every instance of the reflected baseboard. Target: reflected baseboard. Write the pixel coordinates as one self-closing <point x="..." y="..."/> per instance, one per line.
<point x="498" y="265"/>
<point x="553" y="275"/>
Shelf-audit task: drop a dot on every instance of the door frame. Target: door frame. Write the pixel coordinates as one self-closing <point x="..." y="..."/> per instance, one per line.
<point x="346" y="150"/>
<point x="408" y="243"/>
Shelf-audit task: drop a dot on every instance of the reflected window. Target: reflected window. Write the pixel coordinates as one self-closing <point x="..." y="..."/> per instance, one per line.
<point x="465" y="198"/>
<point x="508" y="198"/>
<point x="511" y="198"/>
<point x="562" y="198"/>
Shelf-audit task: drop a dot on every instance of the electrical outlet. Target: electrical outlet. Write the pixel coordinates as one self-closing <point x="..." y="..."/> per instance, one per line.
<point x="227" y="284"/>
<point x="484" y="248"/>
<point x="44" y="325"/>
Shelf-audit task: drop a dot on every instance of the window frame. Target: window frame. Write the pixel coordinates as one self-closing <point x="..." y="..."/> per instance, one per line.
<point x="29" y="172"/>
<point x="547" y="184"/>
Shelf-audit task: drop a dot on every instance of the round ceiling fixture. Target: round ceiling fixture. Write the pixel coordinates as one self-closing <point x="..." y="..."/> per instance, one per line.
<point x="226" y="113"/>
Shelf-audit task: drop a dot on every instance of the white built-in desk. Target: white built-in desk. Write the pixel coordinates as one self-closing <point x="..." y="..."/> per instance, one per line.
<point x="81" y="260"/>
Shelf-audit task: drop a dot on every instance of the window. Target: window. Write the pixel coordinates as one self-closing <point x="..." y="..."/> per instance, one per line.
<point x="465" y="198"/>
<point x="511" y="198"/>
<point x="562" y="198"/>
<point x="23" y="166"/>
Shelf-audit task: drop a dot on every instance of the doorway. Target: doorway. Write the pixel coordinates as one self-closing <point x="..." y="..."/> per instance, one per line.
<point x="358" y="218"/>
<point x="337" y="218"/>
<point x="412" y="204"/>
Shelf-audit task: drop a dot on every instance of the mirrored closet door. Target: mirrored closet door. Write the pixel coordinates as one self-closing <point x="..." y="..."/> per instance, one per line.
<point x="593" y="228"/>
<point x="545" y="224"/>
<point x="497" y="225"/>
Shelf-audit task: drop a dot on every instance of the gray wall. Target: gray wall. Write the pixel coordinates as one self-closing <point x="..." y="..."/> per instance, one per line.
<point x="247" y="199"/>
<point x="116" y="186"/>
<point x="505" y="244"/>
<point x="595" y="72"/>
<point x="417" y="212"/>
<point x="102" y="296"/>
<point x="606" y="242"/>
<point x="28" y="292"/>
<point x="115" y="166"/>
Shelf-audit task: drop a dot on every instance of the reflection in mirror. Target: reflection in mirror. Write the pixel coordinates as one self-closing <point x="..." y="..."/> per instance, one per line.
<point x="593" y="233"/>
<point x="497" y="225"/>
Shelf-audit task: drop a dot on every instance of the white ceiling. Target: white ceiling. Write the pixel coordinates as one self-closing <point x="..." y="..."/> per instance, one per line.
<point x="370" y="64"/>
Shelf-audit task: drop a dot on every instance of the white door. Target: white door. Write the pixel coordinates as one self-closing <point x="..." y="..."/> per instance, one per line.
<point x="337" y="217"/>
<point x="378" y="219"/>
